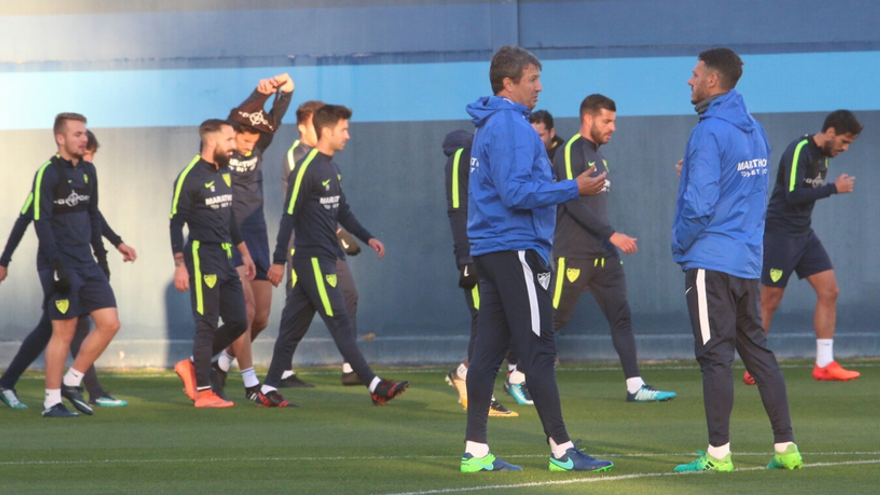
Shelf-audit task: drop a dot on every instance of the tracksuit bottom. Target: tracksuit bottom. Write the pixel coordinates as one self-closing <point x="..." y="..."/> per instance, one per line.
<point x="216" y="292"/>
<point x="35" y="343"/>
<point x="316" y="287"/>
<point x="726" y="317"/>
<point x="605" y="278"/>
<point x="472" y="298"/>
<point x="516" y="312"/>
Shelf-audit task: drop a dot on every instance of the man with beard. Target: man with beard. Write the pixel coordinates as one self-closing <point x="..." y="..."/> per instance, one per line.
<point x="254" y="129"/>
<point x="36" y="341"/>
<point x="790" y="245"/>
<point x="68" y="226"/>
<point x="717" y="238"/>
<point x="202" y="200"/>
<point x="585" y="245"/>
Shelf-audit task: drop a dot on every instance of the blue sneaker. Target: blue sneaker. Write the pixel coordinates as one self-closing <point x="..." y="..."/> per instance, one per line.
<point x="59" y="411"/>
<point x="649" y="394"/>
<point x="519" y="392"/>
<point x="107" y="400"/>
<point x="10" y="398"/>
<point x="576" y="459"/>
<point x="74" y="395"/>
<point x="471" y="464"/>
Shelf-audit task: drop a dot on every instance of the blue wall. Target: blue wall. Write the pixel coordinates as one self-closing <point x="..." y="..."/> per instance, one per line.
<point x="146" y="73"/>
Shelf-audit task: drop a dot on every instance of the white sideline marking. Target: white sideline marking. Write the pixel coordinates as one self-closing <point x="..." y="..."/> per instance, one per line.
<point x="612" y="478"/>
<point x="374" y="458"/>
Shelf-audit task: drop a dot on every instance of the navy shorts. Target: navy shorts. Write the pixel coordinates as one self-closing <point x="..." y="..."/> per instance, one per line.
<point x="257" y="243"/>
<point x="90" y="291"/>
<point x="783" y="255"/>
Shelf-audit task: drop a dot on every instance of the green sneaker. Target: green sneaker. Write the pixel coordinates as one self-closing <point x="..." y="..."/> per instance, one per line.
<point x="707" y="463"/>
<point x="790" y="459"/>
<point x="471" y="464"/>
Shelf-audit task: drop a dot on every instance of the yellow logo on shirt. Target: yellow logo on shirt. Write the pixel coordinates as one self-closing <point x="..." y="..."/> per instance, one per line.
<point x="210" y="281"/>
<point x="63" y="305"/>
<point x="572" y="274"/>
<point x="86" y="178"/>
<point x="331" y="279"/>
<point x="227" y="178"/>
<point x="775" y="274"/>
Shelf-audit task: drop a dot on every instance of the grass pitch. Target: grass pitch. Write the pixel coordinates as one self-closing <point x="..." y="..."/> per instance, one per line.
<point x="338" y="442"/>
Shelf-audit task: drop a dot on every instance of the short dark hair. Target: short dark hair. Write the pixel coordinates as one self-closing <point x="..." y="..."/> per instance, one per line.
<point x="211" y="126"/>
<point x="306" y="110"/>
<point x="92" y="144"/>
<point x="726" y="63"/>
<point x="542" y="117"/>
<point x="594" y="104"/>
<point x="843" y="122"/>
<point x="510" y="61"/>
<point x="238" y="127"/>
<point x="329" y="116"/>
<point x="62" y="118"/>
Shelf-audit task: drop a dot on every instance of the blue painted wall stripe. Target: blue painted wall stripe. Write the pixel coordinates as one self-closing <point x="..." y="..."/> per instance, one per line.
<point x="429" y="92"/>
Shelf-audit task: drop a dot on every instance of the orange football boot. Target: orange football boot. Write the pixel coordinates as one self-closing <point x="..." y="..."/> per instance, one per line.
<point x="834" y="372"/>
<point x="187" y="373"/>
<point x="207" y="398"/>
<point x="747" y="379"/>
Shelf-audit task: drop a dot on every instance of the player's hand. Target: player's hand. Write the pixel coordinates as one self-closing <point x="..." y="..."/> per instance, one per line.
<point x="678" y="167"/>
<point x="250" y="270"/>
<point x="589" y="186"/>
<point x="349" y="245"/>
<point x="128" y="253"/>
<point x="467" y="276"/>
<point x="102" y="263"/>
<point x="267" y="86"/>
<point x="377" y="246"/>
<point x="181" y="278"/>
<point x="275" y="274"/>
<point x="624" y="242"/>
<point x="3" y="271"/>
<point x="844" y="183"/>
<point x="284" y="82"/>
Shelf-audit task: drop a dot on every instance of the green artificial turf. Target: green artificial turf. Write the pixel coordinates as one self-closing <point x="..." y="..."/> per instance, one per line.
<point x="338" y="442"/>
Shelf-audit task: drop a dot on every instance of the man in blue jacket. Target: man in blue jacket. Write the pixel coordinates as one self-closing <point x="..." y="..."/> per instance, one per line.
<point x="717" y="238"/>
<point x="511" y="218"/>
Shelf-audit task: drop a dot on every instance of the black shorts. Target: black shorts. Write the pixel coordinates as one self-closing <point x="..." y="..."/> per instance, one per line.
<point x="257" y="243"/>
<point x="783" y="255"/>
<point x="90" y="291"/>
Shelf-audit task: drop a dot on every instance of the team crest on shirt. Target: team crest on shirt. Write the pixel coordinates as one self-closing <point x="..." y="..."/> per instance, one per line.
<point x="775" y="274"/>
<point x="210" y="281"/>
<point x="572" y="274"/>
<point x="86" y="178"/>
<point x="544" y="280"/>
<point x="331" y="279"/>
<point x="227" y="178"/>
<point x="63" y="305"/>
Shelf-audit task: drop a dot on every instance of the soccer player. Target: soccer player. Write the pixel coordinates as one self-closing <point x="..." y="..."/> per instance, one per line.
<point x="253" y="135"/>
<point x="717" y="238"/>
<point x="35" y="342"/>
<point x="511" y="216"/>
<point x="315" y="204"/>
<point x="790" y="245"/>
<point x="457" y="148"/>
<point x="542" y="121"/>
<point x="203" y="202"/>
<point x="585" y="245"/>
<point x="68" y="226"/>
<point x="347" y="244"/>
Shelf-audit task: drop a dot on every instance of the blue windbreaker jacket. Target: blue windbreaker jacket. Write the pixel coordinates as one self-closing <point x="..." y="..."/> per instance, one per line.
<point x="512" y="197"/>
<point x="722" y="195"/>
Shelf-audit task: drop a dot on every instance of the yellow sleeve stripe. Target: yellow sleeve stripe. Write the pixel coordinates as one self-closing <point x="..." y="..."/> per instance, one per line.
<point x="299" y="178"/>
<point x="180" y="181"/>
<point x="568" y="174"/>
<point x="36" y="191"/>
<point x="27" y="203"/>
<point x="794" y="164"/>
<point x="291" y="163"/>
<point x="456" y="203"/>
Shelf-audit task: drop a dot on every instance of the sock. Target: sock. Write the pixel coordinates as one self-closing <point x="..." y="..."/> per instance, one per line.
<point x="461" y="371"/>
<point x="559" y="450"/>
<point x="374" y="383"/>
<point x="73" y="378"/>
<point x="346" y="368"/>
<point x="53" y="396"/>
<point x="516" y="377"/>
<point x="265" y="389"/>
<point x="224" y="361"/>
<point x="719" y="452"/>
<point x="250" y="377"/>
<point x="780" y="447"/>
<point x="511" y="368"/>
<point x="475" y="449"/>
<point x="287" y="374"/>
<point x="203" y="389"/>
<point x="634" y="384"/>
<point x="824" y="352"/>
